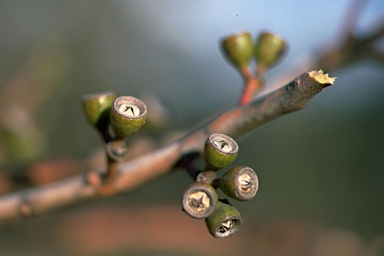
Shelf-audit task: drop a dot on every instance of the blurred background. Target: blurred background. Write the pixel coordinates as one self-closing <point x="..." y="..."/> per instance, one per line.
<point x="321" y="169"/>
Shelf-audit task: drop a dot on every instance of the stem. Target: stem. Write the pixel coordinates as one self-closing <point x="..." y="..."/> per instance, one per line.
<point x="116" y="151"/>
<point x="106" y="136"/>
<point x="185" y="162"/>
<point x="252" y="85"/>
<point x="112" y="171"/>
<point x="260" y="72"/>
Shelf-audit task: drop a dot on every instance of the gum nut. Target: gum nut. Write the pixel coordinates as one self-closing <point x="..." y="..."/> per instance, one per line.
<point x="240" y="183"/>
<point x="97" y="108"/>
<point x="219" y="151"/>
<point x="224" y="221"/>
<point x="199" y="200"/>
<point x="238" y="48"/>
<point x="128" y="114"/>
<point x="269" y="49"/>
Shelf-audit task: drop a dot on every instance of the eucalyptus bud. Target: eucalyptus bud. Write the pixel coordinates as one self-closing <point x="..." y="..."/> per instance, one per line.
<point x="238" y="48"/>
<point x="128" y="114"/>
<point x="224" y="221"/>
<point x="199" y="200"/>
<point x="269" y="49"/>
<point x="240" y="183"/>
<point x="219" y="151"/>
<point x="97" y="108"/>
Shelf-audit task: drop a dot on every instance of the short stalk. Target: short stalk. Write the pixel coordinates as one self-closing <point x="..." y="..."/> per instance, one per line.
<point x="252" y="84"/>
<point x="186" y="163"/>
<point x="116" y="151"/>
<point x="216" y="183"/>
<point x="206" y="176"/>
<point x="260" y="73"/>
<point x="112" y="170"/>
<point x="106" y="136"/>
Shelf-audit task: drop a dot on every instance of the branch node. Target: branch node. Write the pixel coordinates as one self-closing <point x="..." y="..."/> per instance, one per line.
<point x="93" y="178"/>
<point x="25" y="208"/>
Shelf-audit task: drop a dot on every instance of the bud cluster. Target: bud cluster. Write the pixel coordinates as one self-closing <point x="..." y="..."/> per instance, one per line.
<point x="200" y="199"/>
<point x="239" y="49"/>
<point x="115" y="118"/>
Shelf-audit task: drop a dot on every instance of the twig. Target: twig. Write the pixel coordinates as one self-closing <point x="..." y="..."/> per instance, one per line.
<point x="353" y="47"/>
<point x="352" y="16"/>
<point x="135" y="173"/>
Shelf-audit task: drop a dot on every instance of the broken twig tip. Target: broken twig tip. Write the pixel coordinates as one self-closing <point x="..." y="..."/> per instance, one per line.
<point x="321" y="77"/>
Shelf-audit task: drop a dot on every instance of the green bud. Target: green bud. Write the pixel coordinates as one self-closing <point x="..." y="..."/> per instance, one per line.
<point x="224" y="221"/>
<point x="269" y="49"/>
<point x="128" y="114"/>
<point x="199" y="200"/>
<point x="97" y="108"/>
<point x="238" y="48"/>
<point x="219" y="151"/>
<point x="240" y="183"/>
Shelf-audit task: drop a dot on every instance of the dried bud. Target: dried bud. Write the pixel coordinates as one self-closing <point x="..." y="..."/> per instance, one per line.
<point x="224" y="221"/>
<point x="240" y="183"/>
<point x="97" y="107"/>
<point x="128" y="114"/>
<point x="199" y="200"/>
<point x="219" y="151"/>
<point x="238" y="48"/>
<point x="269" y="49"/>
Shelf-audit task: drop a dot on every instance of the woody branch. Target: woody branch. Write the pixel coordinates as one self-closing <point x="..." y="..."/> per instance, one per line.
<point x="135" y="173"/>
